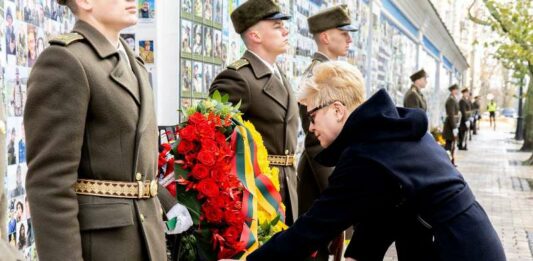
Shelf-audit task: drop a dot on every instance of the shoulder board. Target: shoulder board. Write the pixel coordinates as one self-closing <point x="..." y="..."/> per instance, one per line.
<point x="238" y="64"/>
<point x="66" y="39"/>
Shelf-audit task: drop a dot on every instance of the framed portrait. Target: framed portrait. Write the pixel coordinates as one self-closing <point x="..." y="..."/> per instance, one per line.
<point x="146" y="50"/>
<point x="186" y="78"/>
<point x="186" y="40"/>
<point x="146" y="9"/>
<point x="197" y="79"/>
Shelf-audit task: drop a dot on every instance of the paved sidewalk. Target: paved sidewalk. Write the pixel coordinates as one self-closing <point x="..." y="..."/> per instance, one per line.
<point x="500" y="187"/>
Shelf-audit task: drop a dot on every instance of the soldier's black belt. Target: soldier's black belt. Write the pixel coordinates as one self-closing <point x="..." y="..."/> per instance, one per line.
<point x="116" y="189"/>
<point x="281" y="160"/>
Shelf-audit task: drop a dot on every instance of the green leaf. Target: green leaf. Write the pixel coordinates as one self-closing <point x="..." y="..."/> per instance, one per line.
<point x="225" y="98"/>
<point x="216" y="96"/>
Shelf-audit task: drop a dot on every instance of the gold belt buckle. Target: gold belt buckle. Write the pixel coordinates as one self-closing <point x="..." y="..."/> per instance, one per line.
<point x="153" y="188"/>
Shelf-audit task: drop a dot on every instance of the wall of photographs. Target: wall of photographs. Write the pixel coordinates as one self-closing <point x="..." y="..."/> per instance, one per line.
<point x="26" y="26"/>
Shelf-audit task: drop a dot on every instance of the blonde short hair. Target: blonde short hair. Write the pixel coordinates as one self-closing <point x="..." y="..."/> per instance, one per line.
<point x="334" y="81"/>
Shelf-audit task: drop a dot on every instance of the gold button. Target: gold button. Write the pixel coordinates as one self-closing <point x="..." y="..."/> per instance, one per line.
<point x="138" y="176"/>
<point x="142" y="218"/>
<point x="286" y="152"/>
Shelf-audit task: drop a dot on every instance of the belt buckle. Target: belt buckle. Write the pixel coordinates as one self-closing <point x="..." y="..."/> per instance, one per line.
<point x="287" y="159"/>
<point x="153" y="188"/>
<point x="140" y="188"/>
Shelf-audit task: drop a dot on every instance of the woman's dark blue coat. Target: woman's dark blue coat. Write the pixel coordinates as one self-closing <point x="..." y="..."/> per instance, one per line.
<point x="389" y="169"/>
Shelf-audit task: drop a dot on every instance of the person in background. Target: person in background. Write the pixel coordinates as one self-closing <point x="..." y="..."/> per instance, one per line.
<point x="413" y="97"/>
<point x="491" y="108"/>
<point x="331" y="29"/>
<point x="465" y="107"/>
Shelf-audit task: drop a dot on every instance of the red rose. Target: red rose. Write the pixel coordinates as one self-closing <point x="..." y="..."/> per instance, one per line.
<point x="207" y="158"/>
<point x="200" y="172"/>
<point x="185" y="146"/>
<point x="188" y="133"/>
<point x="232" y="234"/>
<point x="208" y="187"/>
<point x="206" y="131"/>
<point x="197" y="118"/>
<point x="209" y="145"/>
<point x="211" y="213"/>
<point x="220" y="138"/>
<point x="233" y="218"/>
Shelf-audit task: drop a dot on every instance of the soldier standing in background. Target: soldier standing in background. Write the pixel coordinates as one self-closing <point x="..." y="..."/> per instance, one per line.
<point x="450" y="130"/>
<point x="476" y="114"/>
<point x="413" y="97"/>
<point x="331" y="29"/>
<point x="266" y="97"/>
<point x="465" y="107"/>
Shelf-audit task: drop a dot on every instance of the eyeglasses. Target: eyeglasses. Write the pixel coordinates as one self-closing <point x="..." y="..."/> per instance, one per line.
<point x="312" y="113"/>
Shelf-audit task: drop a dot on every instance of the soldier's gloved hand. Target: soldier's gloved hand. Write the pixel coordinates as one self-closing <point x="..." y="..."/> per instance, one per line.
<point x="455" y="132"/>
<point x="179" y="219"/>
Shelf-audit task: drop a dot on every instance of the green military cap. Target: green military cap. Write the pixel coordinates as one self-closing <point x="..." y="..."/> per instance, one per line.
<point x="62" y="2"/>
<point x="465" y="90"/>
<point x="253" y="11"/>
<point x="453" y="87"/>
<point x="329" y="18"/>
<point x="417" y="75"/>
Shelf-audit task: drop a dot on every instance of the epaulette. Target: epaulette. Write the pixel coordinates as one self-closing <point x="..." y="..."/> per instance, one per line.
<point x="309" y="70"/>
<point x="66" y="39"/>
<point x="238" y="64"/>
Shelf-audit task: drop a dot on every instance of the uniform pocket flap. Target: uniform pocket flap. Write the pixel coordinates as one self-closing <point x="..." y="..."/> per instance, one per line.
<point x="107" y="215"/>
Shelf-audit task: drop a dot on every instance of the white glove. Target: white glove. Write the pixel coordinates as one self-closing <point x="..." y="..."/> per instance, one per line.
<point x="467" y="123"/>
<point x="183" y="219"/>
<point x="455" y="132"/>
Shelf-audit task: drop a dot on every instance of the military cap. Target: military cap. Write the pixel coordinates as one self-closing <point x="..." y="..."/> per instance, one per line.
<point x="253" y="11"/>
<point x="334" y="17"/>
<point x="417" y="75"/>
<point x="465" y="90"/>
<point x="62" y="2"/>
<point x="453" y="87"/>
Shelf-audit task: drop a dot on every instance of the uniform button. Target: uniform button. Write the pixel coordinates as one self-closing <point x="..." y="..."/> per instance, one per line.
<point x="286" y="152"/>
<point x="138" y="176"/>
<point x="142" y="218"/>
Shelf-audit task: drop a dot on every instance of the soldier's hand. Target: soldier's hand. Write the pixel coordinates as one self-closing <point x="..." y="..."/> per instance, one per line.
<point x="455" y="132"/>
<point x="180" y="219"/>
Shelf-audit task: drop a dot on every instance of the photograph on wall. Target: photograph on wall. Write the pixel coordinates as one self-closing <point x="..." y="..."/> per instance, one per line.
<point x="217" y="14"/>
<point x="208" y="12"/>
<point x="186" y="9"/>
<point x="208" y="43"/>
<point x="15" y="90"/>
<point x="217" y="46"/>
<point x="197" y="79"/>
<point x="22" y="45"/>
<point x="32" y="45"/>
<point x="146" y="9"/>
<point x="10" y="32"/>
<point x="186" y="41"/>
<point x="197" y="41"/>
<point x="186" y="78"/>
<point x="208" y="78"/>
<point x="129" y="38"/>
<point x="146" y="50"/>
<point x="198" y="10"/>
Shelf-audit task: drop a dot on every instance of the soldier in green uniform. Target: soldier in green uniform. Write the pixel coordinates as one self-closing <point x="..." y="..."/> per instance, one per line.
<point x="465" y="106"/>
<point x="266" y="97"/>
<point x="331" y="29"/>
<point x="451" y="122"/>
<point x="92" y="141"/>
<point x="413" y="97"/>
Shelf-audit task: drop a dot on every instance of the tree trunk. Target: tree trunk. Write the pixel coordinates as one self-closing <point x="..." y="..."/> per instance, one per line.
<point x="528" y="116"/>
